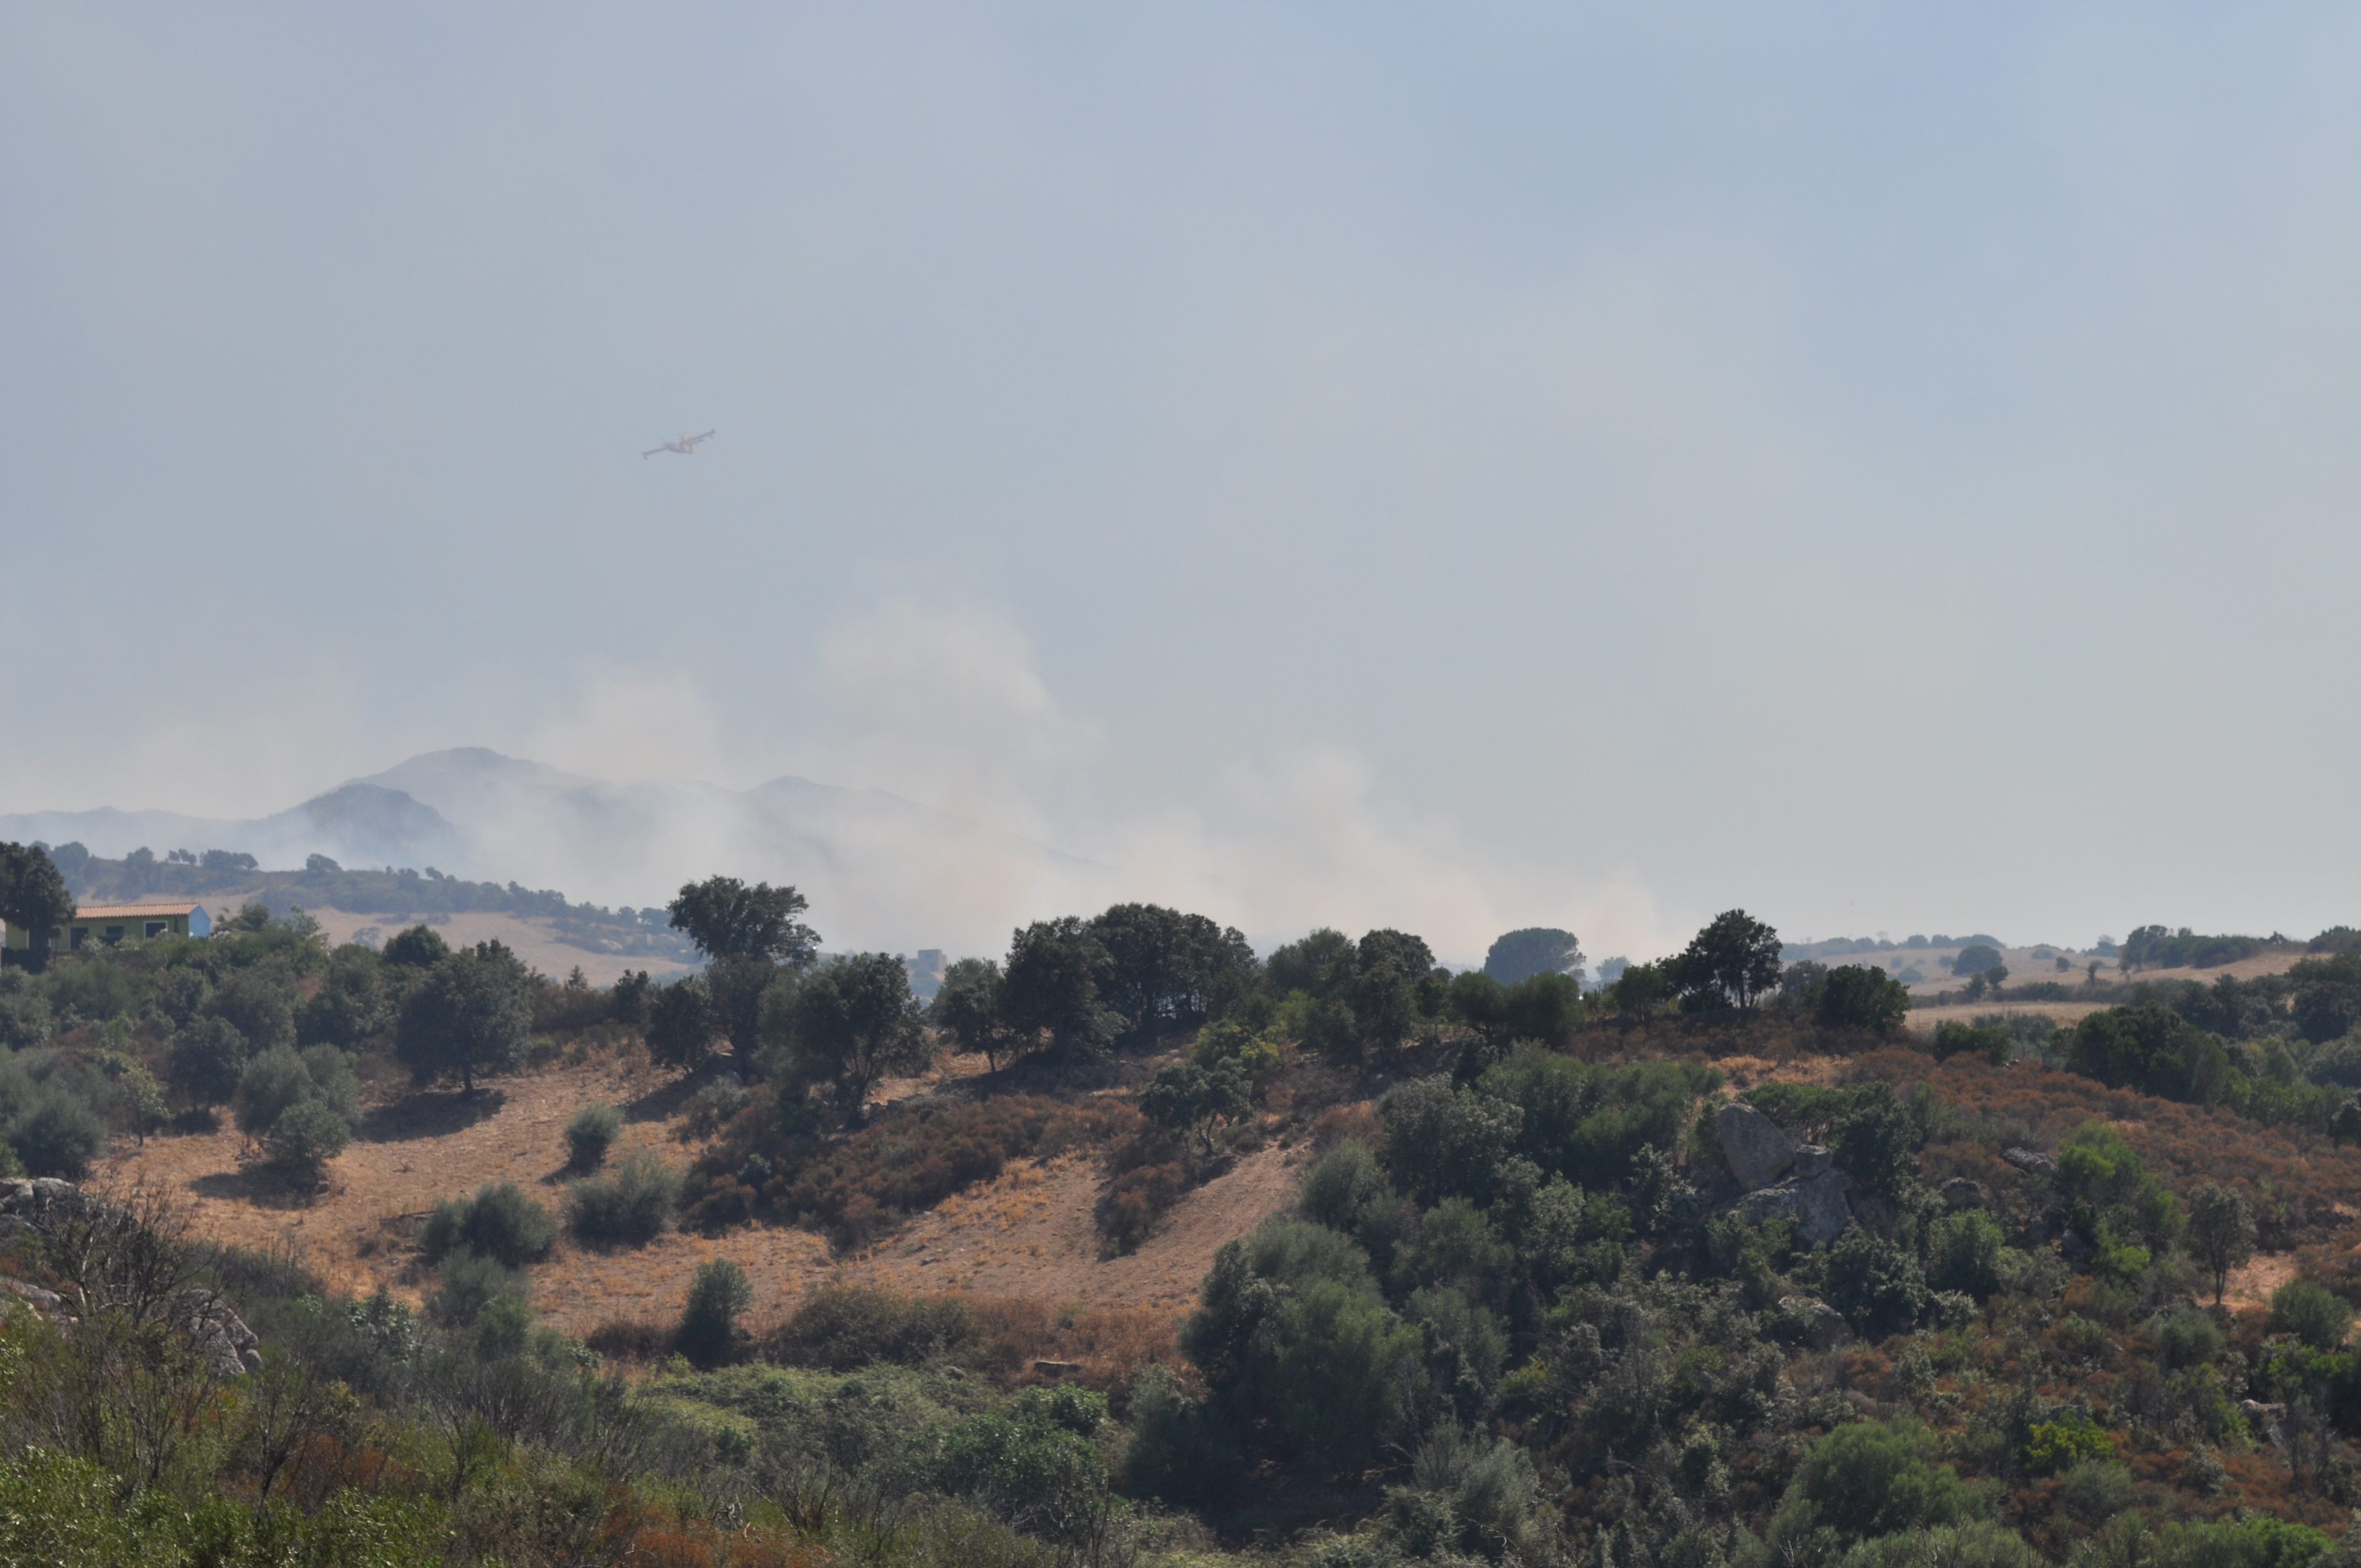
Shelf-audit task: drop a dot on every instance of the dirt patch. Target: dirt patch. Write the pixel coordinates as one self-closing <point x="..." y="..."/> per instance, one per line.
<point x="1744" y="1072"/>
<point x="2065" y="1014"/>
<point x="2251" y="1283"/>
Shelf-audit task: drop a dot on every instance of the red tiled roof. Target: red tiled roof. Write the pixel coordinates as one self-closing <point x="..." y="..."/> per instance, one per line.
<point x="131" y="911"/>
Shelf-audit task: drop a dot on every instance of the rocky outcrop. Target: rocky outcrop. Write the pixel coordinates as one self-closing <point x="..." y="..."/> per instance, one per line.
<point x="46" y="1206"/>
<point x="1811" y="1159"/>
<point x="1824" y="1326"/>
<point x="1817" y="1204"/>
<point x="2032" y="1162"/>
<point x="48" y="1303"/>
<point x="1758" y="1150"/>
<point x="27" y="1203"/>
<point x="1961" y="1193"/>
<point x="225" y="1342"/>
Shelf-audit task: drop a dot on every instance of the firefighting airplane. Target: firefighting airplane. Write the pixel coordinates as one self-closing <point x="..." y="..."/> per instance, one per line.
<point x="686" y="446"/>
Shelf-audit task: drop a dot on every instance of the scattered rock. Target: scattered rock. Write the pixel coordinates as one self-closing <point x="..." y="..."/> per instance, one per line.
<point x="2266" y="1420"/>
<point x="1824" y="1326"/>
<point x="1758" y="1150"/>
<point x="954" y="1374"/>
<point x="2032" y="1162"/>
<point x="1811" y="1159"/>
<point x="1961" y="1193"/>
<point x="225" y="1342"/>
<point x="1817" y="1205"/>
<point x="1057" y="1369"/>
<point x="42" y="1301"/>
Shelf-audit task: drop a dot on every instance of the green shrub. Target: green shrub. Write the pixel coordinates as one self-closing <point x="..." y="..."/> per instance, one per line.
<point x="1862" y="997"/>
<point x="1979" y="1543"/>
<point x="1870" y="1479"/>
<point x="629" y="1206"/>
<point x="205" y="1059"/>
<point x="93" y="989"/>
<point x="2185" y="1337"/>
<point x="2311" y="1312"/>
<point x="1181" y="1451"/>
<point x="2095" y="1491"/>
<point x="307" y="1135"/>
<point x="56" y="1133"/>
<point x="2260" y="1542"/>
<point x="25" y="1020"/>
<point x="592" y="1132"/>
<point x="1467" y="1496"/>
<point x="1954" y="1038"/>
<point x="273" y="1080"/>
<point x="1874" y="1283"/>
<point x="61" y="1513"/>
<point x="466" y="1284"/>
<point x="501" y="1221"/>
<point x="717" y="1296"/>
<point x="843" y="1327"/>
<point x="1028" y="1466"/>
<point x="1963" y="1254"/>
<point x="2073" y="1438"/>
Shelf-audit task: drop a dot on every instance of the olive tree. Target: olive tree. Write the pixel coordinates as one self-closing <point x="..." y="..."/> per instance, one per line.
<point x="471" y="1014"/>
<point x="856" y="1021"/>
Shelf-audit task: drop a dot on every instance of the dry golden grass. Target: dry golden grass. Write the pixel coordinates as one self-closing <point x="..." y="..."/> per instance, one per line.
<point x="1028" y="1235"/>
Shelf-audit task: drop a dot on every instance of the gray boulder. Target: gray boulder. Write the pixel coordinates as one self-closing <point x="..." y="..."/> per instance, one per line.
<point x="48" y="1303"/>
<point x="2032" y="1162"/>
<point x="221" y="1338"/>
<point x="1961" y="1193"/>
<point x="1824" y="1326"/>
<point x="1816" y="1203"/>
<point x="1811" y="1159"/>
<point x="1758" y="1150"/>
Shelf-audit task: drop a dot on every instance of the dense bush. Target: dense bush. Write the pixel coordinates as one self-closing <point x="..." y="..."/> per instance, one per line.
<point x="1952" y="1038"/>
<point x="590" y="1134"/>
<point x="1871" y="1479"/>
<point x="501" y="1221"/>
<point x="56" y="1133"/>
<point x="466" y="1283"/>
<point x="206" y="1061"/>
<point x="629" y="1206"/>
<point x="305" y="1136"/>
<point x="843" y="1327"/>
<point x="2311" y="1314"/>
<point x="718" y="1296"/>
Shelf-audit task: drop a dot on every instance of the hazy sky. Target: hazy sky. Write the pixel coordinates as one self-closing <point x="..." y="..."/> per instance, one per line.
<point x="1456" y="466"/>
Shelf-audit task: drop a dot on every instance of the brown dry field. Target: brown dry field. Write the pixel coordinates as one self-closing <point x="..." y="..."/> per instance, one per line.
<point x="1028" y="1234"/>
<point x="529" y="939"/>
<point x="2022" y="967"/>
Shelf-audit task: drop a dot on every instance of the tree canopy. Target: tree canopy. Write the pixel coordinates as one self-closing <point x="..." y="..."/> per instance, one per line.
<point x="1534" y="949"/>
<point x="33" y="892"/>
<point x="1733" y="960"/>
<point x="855" y="1023"/>
<point x="1053" y="985"/>
<point x="472" y="1013"/>
<point x="1164" y="966"/>
<point x="728" y="919"/>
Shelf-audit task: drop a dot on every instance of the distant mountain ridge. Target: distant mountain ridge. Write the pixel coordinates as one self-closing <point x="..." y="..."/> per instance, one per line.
<point x="364" y="822"/>
<point x="880" y="870"/>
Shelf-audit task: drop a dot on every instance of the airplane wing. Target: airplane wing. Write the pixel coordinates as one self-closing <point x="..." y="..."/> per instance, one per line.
<point x="707" y="436"/>
<point x="651" y="453"/>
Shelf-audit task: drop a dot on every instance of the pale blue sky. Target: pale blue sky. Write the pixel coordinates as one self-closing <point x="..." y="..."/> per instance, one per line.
<point x="1891" y="467"/>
